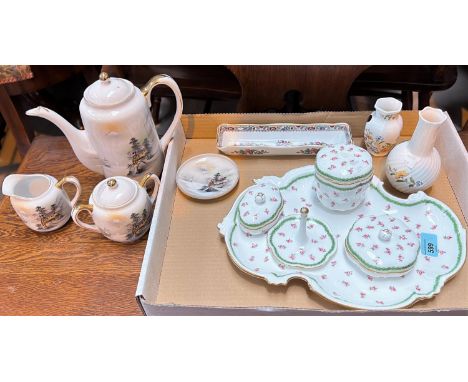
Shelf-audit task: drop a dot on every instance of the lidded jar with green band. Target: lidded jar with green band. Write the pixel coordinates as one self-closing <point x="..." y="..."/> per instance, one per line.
<point x="260" y="208"/>
<point x="382" y="246"/>
<point x="342" y="176"/>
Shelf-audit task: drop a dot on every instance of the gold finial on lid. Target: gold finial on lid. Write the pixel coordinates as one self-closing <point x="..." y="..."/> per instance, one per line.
<point x="112" y="183"/>
<point x="103" y="76"/>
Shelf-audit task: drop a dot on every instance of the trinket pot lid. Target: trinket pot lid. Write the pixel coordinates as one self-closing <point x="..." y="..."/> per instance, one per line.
<point x="108" y="91"/>
<point x="207" y="176"/>
<point x="114" y="192"/>
<point x="382" y="244"/>
<point x="260" y="206"/>
<point x="346" y="163"/>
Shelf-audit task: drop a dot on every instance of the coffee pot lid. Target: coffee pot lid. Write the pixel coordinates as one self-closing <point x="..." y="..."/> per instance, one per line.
<point x="115" y="192"/>
<point x="108" y="91"/>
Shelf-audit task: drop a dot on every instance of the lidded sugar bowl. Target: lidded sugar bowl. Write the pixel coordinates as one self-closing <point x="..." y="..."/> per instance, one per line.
<point x="342" y="175"/>
<point x="120" y="208"/>
<point x="382" y="246"/>
<point x="260" y="208"/>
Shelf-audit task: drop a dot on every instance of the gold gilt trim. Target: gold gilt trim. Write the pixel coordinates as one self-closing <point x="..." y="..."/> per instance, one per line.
<point x="61" y="182"/>
<point x="145" y="179"/>
<point x="84" y="207"/>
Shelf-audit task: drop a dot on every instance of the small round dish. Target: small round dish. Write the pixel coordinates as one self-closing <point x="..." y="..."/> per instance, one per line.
<point x="207" y="176"/>
<point x="382" y="246"/>
<point x="260" y="208"/>
<point x="301" y="242"/>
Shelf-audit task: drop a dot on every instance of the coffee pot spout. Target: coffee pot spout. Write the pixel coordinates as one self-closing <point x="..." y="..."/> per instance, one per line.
<point x="78" y="139"/>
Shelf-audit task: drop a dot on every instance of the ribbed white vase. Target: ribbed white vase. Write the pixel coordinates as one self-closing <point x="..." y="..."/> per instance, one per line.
<point x="414" y="165"/>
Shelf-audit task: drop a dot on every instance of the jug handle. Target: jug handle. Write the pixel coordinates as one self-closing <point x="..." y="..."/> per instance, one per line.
<point x="163" y="79"/>
<point x="157" y="183"/>
<point x="76" y="211"/>
<point x="75" y="182"/>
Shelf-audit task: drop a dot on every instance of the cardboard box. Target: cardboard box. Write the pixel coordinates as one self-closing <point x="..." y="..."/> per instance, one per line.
<point x="186" y="269"/>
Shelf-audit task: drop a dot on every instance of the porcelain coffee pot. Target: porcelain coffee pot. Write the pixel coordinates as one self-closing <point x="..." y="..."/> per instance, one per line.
<point x="119" y="136"/>
<point x="120" y="208"/>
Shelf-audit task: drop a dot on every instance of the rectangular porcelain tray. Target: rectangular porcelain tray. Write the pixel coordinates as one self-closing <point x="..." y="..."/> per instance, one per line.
<point x="280" y="138"/>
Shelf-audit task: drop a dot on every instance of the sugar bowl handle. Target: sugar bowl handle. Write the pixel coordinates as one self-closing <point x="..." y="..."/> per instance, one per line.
<point x="76" y="211"/>
<point x="157" y="183"/>
<point x="75" y="182"/>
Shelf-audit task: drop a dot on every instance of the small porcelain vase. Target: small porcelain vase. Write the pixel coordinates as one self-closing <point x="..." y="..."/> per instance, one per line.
<point x="383" y="129"/>
<point x="414" y="165"/>
<point x="120" y="208"/>
<point x="39" y="200"/>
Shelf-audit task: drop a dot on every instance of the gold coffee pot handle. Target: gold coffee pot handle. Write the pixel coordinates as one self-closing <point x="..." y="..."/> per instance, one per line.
<point x="163" y="79"/>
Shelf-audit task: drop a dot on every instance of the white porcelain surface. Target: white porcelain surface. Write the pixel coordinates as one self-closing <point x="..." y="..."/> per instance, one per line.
<point x="39" y="200"/>
<point x="207" y="176"/>
<point x="120" y="208"/>
<point x="414" y="165"/>
<point x="341" y="280"/>
<point x="120" y="137"/>
<point x="280" y="138"/>
<point x="382" y="245"/>
<point x="344" y="173"/>
<point x="383" y="129"/>
<point x="344" y="163"/>
<point x="260" y="208"/>
<point x="301" y="242"/>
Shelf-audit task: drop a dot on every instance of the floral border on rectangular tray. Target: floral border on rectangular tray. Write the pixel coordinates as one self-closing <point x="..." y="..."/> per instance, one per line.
<point x="280" y="138"/>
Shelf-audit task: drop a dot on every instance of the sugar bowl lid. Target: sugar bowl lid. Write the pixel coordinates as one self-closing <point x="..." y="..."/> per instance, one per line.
<point x="260" y="205"/>
<point x="344" y="162"/>
<point x="108" y="91"/>
<point x="382" y="245"/>
<point x="114" y="192"/>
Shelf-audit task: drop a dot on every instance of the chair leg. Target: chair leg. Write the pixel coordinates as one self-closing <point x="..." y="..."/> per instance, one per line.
<point x="13" y="121"/>
<point x="156" y="107"/>
<point x="424" y="99"/>
<point x="207" y="107"/>
<point x="407" y="99"/>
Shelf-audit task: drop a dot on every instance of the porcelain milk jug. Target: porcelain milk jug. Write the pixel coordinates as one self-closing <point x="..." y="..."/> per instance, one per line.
<point x="39" y="200"/>
<point x="120" y="136"/>
<point x="383" y="129"/>
<point x="120" y="208"/>
<point x="414" y="165"/>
